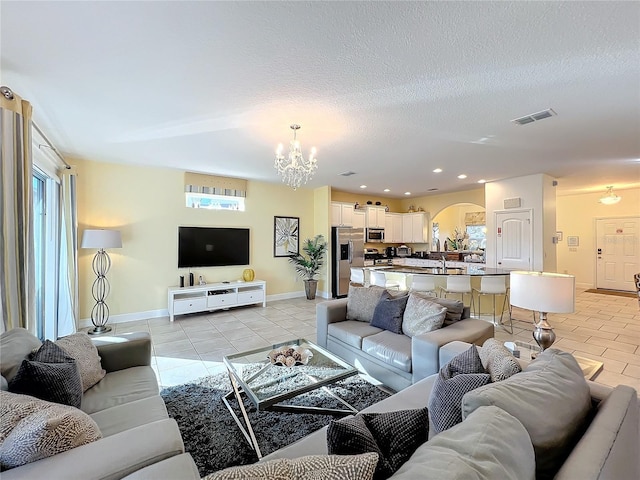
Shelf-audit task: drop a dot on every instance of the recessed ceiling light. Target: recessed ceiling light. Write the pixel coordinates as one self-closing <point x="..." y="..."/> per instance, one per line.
<point x="437" y="170"/>
<point x="363" y="186"/>
<point x="462" y="176"/>
<point x="482" y="180"/>
<point x="386" y="190"/>
<point x="407" y="193"/>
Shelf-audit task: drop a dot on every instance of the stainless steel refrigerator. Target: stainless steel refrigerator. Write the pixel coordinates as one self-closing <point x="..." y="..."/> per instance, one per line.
<point x="347" y="251"/>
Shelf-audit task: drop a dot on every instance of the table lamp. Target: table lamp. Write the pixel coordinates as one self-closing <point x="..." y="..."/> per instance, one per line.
<point x="545" y="293"/>
<point x="101" y="264"/>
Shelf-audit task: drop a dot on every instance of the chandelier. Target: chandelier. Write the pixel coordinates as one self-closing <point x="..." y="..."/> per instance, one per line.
<point x="294" y="169"/>
<point x="610" y="198"/>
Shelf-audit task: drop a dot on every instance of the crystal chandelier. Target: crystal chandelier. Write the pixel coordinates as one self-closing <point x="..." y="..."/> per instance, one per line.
<point x="294" y="169"/>
<point x="610" y="198"/>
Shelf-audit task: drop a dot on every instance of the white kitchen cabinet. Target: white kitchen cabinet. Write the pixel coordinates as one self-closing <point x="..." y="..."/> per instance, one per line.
<point x="342" y="214"/>
<point x="375" y="217"/>
<point x="415" y="227"/>
<point x="393" y="228"/>
<point x="359" y="220"/>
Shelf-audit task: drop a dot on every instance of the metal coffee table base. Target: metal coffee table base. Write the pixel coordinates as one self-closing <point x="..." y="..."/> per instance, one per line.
<point x="245" y="425"/>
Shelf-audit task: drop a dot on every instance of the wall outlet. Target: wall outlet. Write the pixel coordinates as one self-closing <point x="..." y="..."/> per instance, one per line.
<point x="573" y="249"/>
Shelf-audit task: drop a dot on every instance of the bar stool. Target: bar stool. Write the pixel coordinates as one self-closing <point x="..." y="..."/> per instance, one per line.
<point x="357" y="275"/>
<point x="423" y="284"/>
<point x="495" y="286"/>
<point x="459" y="284"/>
<point x="378" y="278"/>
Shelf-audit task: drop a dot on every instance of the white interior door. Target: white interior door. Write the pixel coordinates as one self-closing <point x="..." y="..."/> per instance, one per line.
<point x="617" y="252"/>
<point x="514" y="240"/>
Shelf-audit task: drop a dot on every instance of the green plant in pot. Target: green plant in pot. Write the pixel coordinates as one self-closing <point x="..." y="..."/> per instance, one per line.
<point x="308" y="266"/>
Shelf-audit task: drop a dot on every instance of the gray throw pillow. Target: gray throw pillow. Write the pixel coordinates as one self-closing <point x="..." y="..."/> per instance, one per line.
<point x="421" y="316"/>
<point x="550" y="398"/>
<point x="80" y="347"/>
<point x="454" y="308"/>
<point x="362" y="301"/>
<point x="389" y="311"/>
<point x="498" y="360"/>
<point x="51" y="375"/>
<point x="461" y="375"/>
<point x="396" y="436"/>
<point x="16" y="345"/>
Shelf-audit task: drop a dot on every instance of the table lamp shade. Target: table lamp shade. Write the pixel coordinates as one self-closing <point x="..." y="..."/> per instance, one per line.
<point x="101" y="239"/>
<point x="543" y="292"/>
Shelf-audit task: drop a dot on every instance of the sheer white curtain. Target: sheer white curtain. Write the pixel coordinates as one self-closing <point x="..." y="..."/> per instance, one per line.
<point x="68" y="274"/>
<point x="17" y="263"/>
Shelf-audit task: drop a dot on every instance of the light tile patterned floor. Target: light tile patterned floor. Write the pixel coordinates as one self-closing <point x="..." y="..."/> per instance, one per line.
<point x="604" y="327"/>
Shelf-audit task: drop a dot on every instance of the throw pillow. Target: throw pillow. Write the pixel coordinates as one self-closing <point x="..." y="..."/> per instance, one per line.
<point x="32" y="429"/>
<point x="461" y="375"/>
<point x="421" y="316"/>
<point x="273" y="470"/>
<point x="394" y="436"/>
<point x="16" y="345"/>
<point x="80" y="347"/>
<point x="334" y="467"/>
<point x="389" y="311"/>
<point x="550" y="398"/>
<point x="362" y="301"/>
<point x="49" y="374"/>
<point x="454" y="308"/>
<point x="498" y="360"/>
<point x="489" y="444"/>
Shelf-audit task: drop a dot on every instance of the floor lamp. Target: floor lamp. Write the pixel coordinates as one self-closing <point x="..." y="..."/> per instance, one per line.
<point x="100" y="239"/>
<point x="545" y="293"/>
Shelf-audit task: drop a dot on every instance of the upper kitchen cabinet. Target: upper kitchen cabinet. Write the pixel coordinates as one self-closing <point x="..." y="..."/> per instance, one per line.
<point x="393" y="228"/>
<point x="415" y="227"/>
<point x="375" y="217"/>
<point x="343" y="215"/>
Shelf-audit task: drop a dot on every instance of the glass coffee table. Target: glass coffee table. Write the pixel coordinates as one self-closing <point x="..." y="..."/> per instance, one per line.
<point x="590" y="368"/>
<point x="267" y="385"/>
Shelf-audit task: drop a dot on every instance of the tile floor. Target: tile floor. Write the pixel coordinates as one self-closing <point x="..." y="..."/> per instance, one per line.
<point x="604" y="327"/>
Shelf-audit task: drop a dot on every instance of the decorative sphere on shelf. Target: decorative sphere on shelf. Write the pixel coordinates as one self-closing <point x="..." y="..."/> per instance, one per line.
<point x="248" y="275"/>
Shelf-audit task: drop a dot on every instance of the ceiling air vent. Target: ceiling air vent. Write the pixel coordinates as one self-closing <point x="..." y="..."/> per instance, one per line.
<point x="347" y="174"/>
<point x="432" y="190"/>
<point x="533" y="117"/>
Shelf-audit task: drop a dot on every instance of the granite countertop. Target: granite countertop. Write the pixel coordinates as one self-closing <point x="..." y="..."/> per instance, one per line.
<point x="470" y="270"/>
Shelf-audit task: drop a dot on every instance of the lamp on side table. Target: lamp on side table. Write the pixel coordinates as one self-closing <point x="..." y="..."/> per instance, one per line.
<point x="101" y="264"/>
<point x="545" y="293"/>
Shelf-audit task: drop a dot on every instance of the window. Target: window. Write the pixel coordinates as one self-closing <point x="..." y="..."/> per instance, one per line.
<point x="214" y="202"/>
<point x="477" y="236"/>
<point x="39" y="207"/>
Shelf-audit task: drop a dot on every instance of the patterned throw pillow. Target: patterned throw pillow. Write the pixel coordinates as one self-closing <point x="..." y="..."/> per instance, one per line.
<point x="362" y="301"/>
<point x="394" y="436"/>
<point x="422" y="316"/>
<point x="32" y="429"/>
<point x="389" y="311"/>
<point x="461" y="375"/>
<point x="80" y="347"/>
<point x="454" y="308"/>
<point x="49" y="374"/>
<point x="498" y="360"/>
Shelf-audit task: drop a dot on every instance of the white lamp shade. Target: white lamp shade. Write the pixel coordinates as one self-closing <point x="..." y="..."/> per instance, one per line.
<point x="543" y="292"/>
<point x="101" y="239"/>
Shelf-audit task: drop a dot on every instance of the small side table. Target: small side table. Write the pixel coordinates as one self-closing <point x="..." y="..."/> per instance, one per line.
<point x="590" y="368"/>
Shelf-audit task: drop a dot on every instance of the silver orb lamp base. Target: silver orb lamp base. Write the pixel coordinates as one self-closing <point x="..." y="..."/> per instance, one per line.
<point x="543" y="334"/>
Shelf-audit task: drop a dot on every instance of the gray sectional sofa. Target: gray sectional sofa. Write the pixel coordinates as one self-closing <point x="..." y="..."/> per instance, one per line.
<point x="490" y="443"/>
<point x="395" y="359"/>
<point x="138" y="436"/>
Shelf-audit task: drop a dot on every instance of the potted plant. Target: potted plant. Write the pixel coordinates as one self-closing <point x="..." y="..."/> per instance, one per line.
<point x="308" y="266"/>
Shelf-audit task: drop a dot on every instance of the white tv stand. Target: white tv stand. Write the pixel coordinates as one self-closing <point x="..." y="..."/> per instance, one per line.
<point x="215" y="296"/>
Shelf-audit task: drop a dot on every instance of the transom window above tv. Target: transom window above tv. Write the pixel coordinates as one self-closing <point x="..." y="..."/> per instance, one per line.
<point x="214" y="202"/>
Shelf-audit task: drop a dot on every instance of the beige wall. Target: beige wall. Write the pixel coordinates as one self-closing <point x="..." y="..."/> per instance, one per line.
<point x="576" y="216"/>
<point x="435" y="203"/>
<point x="395" y="205"/>
<point x="452" y="217"/>
<point x="147" y="204"/>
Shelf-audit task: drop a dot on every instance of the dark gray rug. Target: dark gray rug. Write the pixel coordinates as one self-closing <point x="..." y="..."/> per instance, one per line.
<point x="212" y="437"/>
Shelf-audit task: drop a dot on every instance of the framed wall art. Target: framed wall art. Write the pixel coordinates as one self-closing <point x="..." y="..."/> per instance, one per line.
<point x="286" y="236"/>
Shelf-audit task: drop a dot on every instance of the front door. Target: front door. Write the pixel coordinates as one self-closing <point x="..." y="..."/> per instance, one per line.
<point x="617" y="252"/>
<point x="513" y="240"/>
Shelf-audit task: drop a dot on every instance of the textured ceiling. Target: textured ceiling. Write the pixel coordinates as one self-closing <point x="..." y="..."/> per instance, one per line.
<point x="389" y="90"/>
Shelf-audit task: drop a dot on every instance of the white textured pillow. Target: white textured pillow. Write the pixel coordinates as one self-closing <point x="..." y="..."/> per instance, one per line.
<point x="32" y="429"/>
<point x="362" y="301"/>
<point x="498" y="360"/>
<point x="80" y="347"/>
<point x="422" y="316"/>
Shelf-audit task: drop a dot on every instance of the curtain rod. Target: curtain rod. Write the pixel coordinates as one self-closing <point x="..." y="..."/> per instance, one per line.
<point x="50" y="145"/>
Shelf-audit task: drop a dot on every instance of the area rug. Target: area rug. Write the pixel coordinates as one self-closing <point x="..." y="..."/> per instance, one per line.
<point x="212" y="437"/>
<point x="612" y="292"/>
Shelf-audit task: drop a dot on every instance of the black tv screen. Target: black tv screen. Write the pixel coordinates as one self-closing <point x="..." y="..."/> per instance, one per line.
<point x="212" y="247"/>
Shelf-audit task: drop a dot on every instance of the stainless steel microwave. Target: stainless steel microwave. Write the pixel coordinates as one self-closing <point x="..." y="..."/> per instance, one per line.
<point x="375" y="235"/>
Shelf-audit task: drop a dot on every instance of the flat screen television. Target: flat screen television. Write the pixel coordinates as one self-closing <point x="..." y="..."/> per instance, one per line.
<point x="212" y="247"/>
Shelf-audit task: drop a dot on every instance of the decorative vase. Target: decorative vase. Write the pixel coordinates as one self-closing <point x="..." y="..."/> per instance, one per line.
<point x="310" y="288"/>
<point x="248" y="275"/>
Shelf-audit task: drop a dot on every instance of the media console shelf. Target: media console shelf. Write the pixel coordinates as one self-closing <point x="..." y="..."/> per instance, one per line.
<point x="215" y="296"/>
